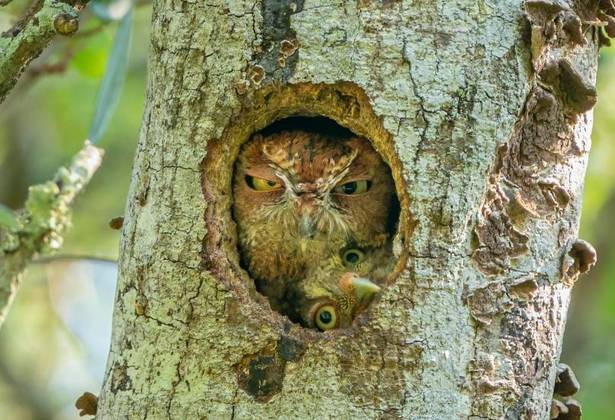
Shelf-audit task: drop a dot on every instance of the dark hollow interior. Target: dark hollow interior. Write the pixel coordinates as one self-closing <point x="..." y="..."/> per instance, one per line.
<point x="321" y="125"/>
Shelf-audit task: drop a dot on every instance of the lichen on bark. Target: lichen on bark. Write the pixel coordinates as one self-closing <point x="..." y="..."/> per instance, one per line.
<point x="38" y="228"/>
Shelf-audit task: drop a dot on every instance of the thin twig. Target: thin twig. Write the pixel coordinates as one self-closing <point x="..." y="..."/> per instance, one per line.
<point x="50" y="68"/>
<point x="92" y="31"/>
<point x="30" y="36"/>
<point x="39" y="227"/>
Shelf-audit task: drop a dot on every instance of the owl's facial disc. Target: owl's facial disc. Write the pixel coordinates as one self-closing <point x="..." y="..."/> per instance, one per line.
<point x="311" y="190"/>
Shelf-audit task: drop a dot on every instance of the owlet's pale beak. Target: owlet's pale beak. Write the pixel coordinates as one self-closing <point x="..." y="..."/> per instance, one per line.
<point x="364" y="289"/>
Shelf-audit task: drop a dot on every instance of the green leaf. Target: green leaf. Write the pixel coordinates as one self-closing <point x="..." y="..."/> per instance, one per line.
<point x="8" y="218"/>
<point x="112" y="82"/>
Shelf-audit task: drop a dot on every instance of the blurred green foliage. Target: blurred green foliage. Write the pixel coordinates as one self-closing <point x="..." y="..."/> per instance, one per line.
<point x="53" y="348"/>
<point x="91" y="56"/>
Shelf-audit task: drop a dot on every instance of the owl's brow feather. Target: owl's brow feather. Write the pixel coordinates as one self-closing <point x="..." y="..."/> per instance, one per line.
<point x="279" y="159"/>
<point x="285" y="177"/>
<point x="339" y="168"/>
<point x="337" y="178"/>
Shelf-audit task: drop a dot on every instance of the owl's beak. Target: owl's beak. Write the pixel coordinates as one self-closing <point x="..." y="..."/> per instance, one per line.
<point x="306" y="226"/>
<point x="364" y="289"/>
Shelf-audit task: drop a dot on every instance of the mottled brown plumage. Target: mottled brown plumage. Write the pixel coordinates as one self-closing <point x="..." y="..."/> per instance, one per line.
<point x="300" y="198"/>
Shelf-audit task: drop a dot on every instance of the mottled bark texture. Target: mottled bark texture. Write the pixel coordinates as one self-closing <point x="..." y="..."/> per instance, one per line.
<point x="483" y="111"/>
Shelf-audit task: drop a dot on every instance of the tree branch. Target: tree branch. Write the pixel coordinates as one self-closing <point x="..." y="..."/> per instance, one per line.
<point x="74" y="257"/>
<point x="38" y="228"/>
<point x="27" y="39"/>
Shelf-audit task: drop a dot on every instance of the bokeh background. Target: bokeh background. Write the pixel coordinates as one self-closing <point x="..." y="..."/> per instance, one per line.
<point x="54" y="344"/>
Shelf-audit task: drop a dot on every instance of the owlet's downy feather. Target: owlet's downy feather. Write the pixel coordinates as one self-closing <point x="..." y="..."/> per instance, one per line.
<point x="300" y="198"/>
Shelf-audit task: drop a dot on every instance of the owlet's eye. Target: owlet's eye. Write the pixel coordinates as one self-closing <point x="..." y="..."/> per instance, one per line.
<point x="326" y="317"/>
<point x="262" y="184"/>
<point x="353" y="187"/>
<point x="353" y="256"/>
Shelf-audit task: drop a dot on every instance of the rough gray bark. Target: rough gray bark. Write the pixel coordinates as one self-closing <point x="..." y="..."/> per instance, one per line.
<point x="482" y="109"/>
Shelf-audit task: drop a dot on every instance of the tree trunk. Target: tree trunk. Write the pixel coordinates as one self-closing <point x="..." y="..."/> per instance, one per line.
<point x="482" y="110"/>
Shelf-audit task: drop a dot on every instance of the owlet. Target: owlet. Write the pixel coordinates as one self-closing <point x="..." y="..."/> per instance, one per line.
<point x="332" y="294"/>
<point x="301" y="197"/>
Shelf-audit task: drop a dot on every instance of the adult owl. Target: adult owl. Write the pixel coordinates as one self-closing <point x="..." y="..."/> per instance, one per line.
<point x="301" y="197"/>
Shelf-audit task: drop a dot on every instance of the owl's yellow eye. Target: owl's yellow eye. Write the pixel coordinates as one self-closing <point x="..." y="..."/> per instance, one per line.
<point x="353" y="187"/>
<point x="353" y="256"/>
<point x="262" y="184"/>
<point x="326" y="317"/>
